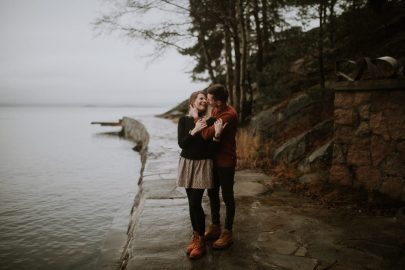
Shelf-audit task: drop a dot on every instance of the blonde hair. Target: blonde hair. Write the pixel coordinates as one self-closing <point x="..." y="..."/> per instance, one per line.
<point x="194" y="96"/>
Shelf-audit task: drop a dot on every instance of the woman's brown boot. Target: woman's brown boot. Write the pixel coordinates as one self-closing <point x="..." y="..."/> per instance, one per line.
<point x="193" y="242"/>
<point x="199" y="249"/>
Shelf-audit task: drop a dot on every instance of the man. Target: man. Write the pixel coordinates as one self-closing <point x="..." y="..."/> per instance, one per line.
<point x="224" y="166"/>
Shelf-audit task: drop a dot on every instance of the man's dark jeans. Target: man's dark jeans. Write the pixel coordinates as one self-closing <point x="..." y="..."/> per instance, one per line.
<point x="224" y="178"/>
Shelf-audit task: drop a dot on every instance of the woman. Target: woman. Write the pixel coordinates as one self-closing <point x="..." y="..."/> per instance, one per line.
<point x="196" y="165"/>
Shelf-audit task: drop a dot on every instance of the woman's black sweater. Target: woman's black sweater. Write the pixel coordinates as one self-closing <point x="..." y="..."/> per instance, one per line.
<point x="193" y="147"/>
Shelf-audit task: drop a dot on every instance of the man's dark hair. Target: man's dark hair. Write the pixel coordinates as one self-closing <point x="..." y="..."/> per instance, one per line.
<point x="219" y="92"/>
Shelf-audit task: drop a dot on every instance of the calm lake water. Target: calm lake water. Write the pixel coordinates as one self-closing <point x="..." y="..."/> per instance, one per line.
<point x="61" y="182"/>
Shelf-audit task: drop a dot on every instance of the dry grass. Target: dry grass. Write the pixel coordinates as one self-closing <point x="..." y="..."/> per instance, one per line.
<point x="252" y="152"/>
<point x="286" y="172"/>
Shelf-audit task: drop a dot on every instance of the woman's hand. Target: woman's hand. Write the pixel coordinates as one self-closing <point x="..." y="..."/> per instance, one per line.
<point x="199" y="125"/>
<point x="193" y="112"/>
<point x="219" y="127"/>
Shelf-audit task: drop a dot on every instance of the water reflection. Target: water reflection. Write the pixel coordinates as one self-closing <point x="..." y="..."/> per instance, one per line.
<point x="62" y="183"/>
<point x="110" y="134"/>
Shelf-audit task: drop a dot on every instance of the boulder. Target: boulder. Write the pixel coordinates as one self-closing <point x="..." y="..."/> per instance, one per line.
<point x="314" y="178"/>
<point x="298" y="103"/>
<point x="297" y="148"/>
<point x="265" y="120"/>
<point x="291" y="150"/>
<point x="293" y="116"/>
<point x="320" y="158"/>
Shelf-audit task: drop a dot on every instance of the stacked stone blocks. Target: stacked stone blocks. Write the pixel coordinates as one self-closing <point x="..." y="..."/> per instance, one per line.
<point x="369" y="140"/>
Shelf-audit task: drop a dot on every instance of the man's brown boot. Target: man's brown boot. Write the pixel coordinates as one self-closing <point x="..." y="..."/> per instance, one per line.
<point x="199" y="250"/>
<point x="224" y="241"/>
<point x="213" y="232"/>
<point x="193" y="242"/>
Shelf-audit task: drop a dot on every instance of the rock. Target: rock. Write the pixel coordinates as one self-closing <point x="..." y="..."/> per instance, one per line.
<point x="263" y="123"/>
<point x="135" y="131"/>
<point x="394" y="165"/>
<point x="322" y="153"/>
<point x="301" y="252"/>
<point x="138" y="147"/>
<point x="340" y="174"/>
<point x="363" y="129"/>
<point x="320" y="158"/>
<point x="251" y="183"/>
<point x="396" y="125"/>
<point x="297" y="66"/>
<point x="392" y="186"/>
<point x="339" y="153"/>
<point x="320" y="131"/>
<point x="343" y="134"/>
<point x="298" y="103"/>
<point x="383" y="100"/>
<point x="313" y="178"/>
<point x="378" y="125"/>
<point x="364" y="112"/>
<point x="291" y="150"/>
<point x="291" y="117"/>
<point x="359" y="152"/>
<point x="296" y="148"/>
<point x="344" y="99"/>
<point x="361" y="98"/>
<point x="379" y="149"/>
<point x="346" y="117"/>
<point x="370" y="177"/>
<point x="249" y="189"/>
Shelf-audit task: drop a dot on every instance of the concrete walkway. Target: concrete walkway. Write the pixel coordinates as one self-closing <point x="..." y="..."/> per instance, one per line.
<point x="273" y="229"/>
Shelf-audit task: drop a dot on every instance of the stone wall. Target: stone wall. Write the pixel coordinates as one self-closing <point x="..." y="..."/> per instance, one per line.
<point x="136" y="131"/>
<point x="369" y="136"/>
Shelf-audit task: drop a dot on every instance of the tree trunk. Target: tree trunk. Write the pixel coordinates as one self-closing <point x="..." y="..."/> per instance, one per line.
<point x="229" y="63"/>
<point x="207" y="56"/>
<point x="321" y="13"/>
<point x="259" y="40"/>
<point x="243" y="68"/>
<point x="266" y="26"/>
<point x="236" y="48"/>
<point x="332" y="4"/>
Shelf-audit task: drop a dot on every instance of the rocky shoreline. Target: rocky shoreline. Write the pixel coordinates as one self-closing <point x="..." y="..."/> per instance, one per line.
<point x="274" y="229"/>
<point x="160" y="152"/>
<point x="117" y="239"/>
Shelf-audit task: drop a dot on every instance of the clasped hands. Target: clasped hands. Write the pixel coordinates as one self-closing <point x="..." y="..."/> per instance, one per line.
<point x="201" y="124"/>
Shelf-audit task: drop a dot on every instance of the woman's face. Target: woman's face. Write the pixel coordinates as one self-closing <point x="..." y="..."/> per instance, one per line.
<point x="200" y="103"/>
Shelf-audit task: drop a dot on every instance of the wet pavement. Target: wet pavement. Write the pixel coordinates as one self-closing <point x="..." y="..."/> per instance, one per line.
<point x="273" y="229"/>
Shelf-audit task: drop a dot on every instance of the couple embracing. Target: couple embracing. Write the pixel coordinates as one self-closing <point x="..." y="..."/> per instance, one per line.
<point x="207" y="161"/>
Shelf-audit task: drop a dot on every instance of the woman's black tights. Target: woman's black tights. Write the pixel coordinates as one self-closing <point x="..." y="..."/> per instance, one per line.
<point x="197" y="215"/>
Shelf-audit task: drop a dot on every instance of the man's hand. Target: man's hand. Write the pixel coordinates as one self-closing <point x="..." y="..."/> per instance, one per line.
<point x="219" y="127"/>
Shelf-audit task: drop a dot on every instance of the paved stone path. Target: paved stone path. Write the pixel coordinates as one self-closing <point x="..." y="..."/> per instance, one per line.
<point x="273" y="229"/>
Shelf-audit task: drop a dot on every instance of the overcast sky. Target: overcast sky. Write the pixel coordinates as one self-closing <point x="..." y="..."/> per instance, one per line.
<point x="49" y="55"/>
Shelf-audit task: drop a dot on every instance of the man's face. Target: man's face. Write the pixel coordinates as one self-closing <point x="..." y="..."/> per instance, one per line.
<point x="212" y="101"/>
